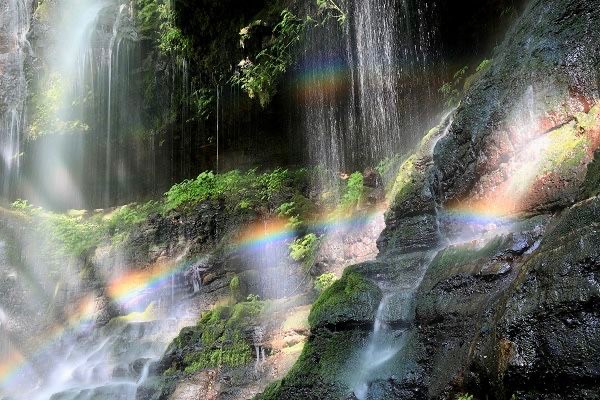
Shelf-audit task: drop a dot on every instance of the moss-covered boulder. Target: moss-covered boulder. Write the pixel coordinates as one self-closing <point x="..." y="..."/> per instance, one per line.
<point x="222" y="338"/>
<point x="321" y="371"/>
<point x="352" y="300"/>
<point x="410" y="221"/>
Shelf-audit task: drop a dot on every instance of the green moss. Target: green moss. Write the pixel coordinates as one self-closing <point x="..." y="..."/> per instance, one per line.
<point x="219" y="338"/>
<point x="406" y="181"/>
<point x="235" y="287"/>
<point x="566" y="150"/>
<point x="234" y="350"/>
<point x="324" y="281"/>
<point x="320" y="372"/>
<point x="352" y="298"/>
<point x="457" y="257"/>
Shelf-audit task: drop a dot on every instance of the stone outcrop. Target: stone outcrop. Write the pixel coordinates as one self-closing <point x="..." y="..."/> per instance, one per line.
<point x="498" y="205"/>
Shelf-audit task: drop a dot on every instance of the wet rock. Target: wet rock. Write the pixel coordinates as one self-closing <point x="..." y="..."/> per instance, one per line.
<point x="538" y="84"/>
<point x="352" y="300"/>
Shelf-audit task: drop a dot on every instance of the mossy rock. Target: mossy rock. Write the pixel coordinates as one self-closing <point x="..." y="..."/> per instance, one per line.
<point x="351" y="300"/>
<point x="321" y="371"/>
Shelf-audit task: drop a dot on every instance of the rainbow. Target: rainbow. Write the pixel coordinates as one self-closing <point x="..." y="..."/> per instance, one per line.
<point x="278" y="230"/>
<point x="478" y="215"/>
<point x="130" y="288"/>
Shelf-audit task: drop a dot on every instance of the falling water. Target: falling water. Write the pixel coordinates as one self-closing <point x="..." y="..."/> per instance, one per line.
<point x="381" y="349"/>
<point x="358" y="83"/>
<point x="86" y="102"/>
<point x="14" y="26"/>
<point x="111" y="48"/>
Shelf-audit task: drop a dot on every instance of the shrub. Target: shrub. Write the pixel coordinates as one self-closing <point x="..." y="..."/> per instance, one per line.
<point x="305" y="249"/>
<point x="324" y="281"/>
<point x="239" y="190"/>
<point x="353" y="192"/>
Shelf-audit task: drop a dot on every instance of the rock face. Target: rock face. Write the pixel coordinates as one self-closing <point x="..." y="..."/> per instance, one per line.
<point x="491" y="244"/>
<point x="542" y="76"/>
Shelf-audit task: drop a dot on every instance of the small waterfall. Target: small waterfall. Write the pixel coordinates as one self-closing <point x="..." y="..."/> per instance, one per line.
<point x="386" y="341"/>
<point x="357" y="83"/>
<point x="14" y="26"/>
<point x="379" y="350"/>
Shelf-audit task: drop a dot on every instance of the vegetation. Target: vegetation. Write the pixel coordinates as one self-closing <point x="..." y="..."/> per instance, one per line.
<point x="157" y="20"/>
<point x="295" y="210"/>
<point x="324" y="282"/>
<point x="330" y="9"/>
<point x="259" y="78"/>
<point x="305" y="249"/>
<point x="352" y="297"/>
<point x="453" y="90"/>
<point x="219" y="339"/>
<point x="354" y="192"/>
<point x="235" y="287"/>
<point x="49" y="110"/>
<point x="77" y="233"/>
<point x="592" y="179"/>
<point x="239" y="190"/>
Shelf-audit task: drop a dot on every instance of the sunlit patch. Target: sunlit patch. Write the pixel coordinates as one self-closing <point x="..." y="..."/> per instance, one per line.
<point x="543" y="167"/>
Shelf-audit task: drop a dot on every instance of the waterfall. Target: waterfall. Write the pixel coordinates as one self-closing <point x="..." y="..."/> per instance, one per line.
<point x="14" y="26"/>
<point x="85" y="106"/>
<point x="392" y="326"/>
<point x="358" y="83"/>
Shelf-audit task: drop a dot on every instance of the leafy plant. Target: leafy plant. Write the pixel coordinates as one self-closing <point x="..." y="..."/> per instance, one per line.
<point x="156" y="19"/>
<point x="305" y="249"/>
<point x="258" y="78"/>
<point x="353" y="192"/>
<point x="324" y="281"/>
<point x="485" y="64"/>
<point x="239" y="190"/>
<point x="332" y="10"/>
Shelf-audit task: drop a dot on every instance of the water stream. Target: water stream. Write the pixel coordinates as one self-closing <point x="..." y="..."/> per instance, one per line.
<point x="14" y="26"/>
<point x="357" y="83"/>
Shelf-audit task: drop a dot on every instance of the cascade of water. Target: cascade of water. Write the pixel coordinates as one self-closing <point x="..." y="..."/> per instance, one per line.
<point x="14" y="26"/>
<point x="111" y="47"/>
<point x="86" y="107"/>
<point x="386" y="343"/>
<point x="358" y="83"/>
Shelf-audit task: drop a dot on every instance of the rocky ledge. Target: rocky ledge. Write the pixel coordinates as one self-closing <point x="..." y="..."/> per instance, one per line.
<point x="491" y="247"/>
